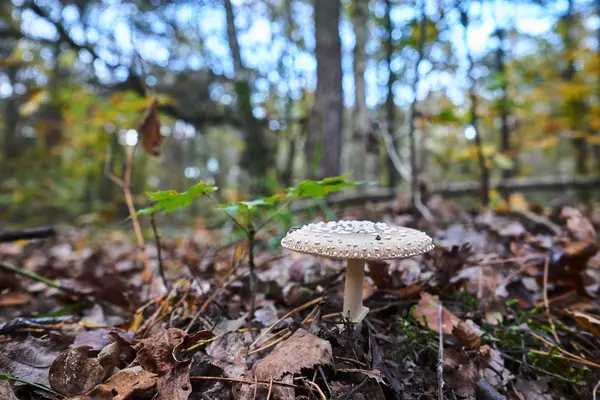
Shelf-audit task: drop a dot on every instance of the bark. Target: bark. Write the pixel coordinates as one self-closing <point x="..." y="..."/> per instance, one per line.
<point x="255" y="157"/>
<point x="11" y="118"/>
<point x="324" y="142"/>
<point x="483" y="169"/>
<point x="414" y="182"/>
<point x="361" y="113"/>
<point x="390" y="107"/>
<point x="505" y="134"/>
<point x="574" y="108"/>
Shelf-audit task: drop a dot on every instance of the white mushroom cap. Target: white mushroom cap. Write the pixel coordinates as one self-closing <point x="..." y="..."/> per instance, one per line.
<point x="364" y="240"/>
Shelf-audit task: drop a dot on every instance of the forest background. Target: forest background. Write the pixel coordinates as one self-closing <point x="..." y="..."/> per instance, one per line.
<point x="475" y="98"/>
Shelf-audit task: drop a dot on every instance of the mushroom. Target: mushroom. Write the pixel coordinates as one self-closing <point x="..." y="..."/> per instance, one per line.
<point x="356" y="242"/>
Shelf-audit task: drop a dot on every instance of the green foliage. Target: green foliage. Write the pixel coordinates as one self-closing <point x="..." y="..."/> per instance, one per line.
<point x="170" y="200"/>
<point x="320" y="189"/>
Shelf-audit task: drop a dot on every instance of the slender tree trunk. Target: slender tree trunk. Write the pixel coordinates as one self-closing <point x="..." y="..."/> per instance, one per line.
<point x="361" y="114"/>
<point x="256" y="157"/>
<point x="325" y="134"/>
<point x="474" y="120"/>
<point x="414" y="182"/>
<point x="11" y="118"/>
<point x="574" y="108"/>
<point x="390" y="107"/>
<point x="505" y="134"/>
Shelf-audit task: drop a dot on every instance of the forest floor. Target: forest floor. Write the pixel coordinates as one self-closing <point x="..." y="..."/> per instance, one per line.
<point x="516" y="291"/>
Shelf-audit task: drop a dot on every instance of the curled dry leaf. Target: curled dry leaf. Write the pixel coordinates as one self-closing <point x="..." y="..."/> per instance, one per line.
<point x="301" y="350"/>
<point x="124" y="383"/>
<point x="427" y="314"/>
<point x="73" y="372"/>
<point x="468" y="335"/>
<point x="590" y="322"/>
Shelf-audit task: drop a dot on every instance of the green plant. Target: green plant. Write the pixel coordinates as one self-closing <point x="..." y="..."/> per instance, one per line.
<point x="249" y="216"/>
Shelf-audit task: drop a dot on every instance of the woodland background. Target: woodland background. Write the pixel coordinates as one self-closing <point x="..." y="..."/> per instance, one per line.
<point x="461" y="97"/>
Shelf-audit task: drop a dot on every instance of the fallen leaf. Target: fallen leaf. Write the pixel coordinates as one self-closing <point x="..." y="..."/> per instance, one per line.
<point x="30" y="359"/>
<point x="590" y="322"/>
<point x="459" y="373"/>
<point x="533" y="389"/>
<point x="229" y="352"/>
<point x="493" y="370"/>
<point x="175" y="384"/>
<point x="125" y="382"/>
<point x="301" y="350"/>
<point x="73" y="372"/>
<point x="155" y="353"/>
<point x="98" y="338"/>
<point x="427" y="314"/>
<point x="468" y="334"/>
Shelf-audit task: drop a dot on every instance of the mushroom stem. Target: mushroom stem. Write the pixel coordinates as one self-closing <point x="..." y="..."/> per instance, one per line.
<point x="353" y="290"/>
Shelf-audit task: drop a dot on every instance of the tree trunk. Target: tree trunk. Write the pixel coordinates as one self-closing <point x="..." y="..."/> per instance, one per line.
<point x="361" y="115"/>
<point x="574" y="108"/>
<point x="11" y="118"/>
<point x="414" y="171"/>
<point x="474" y="120"/>
<point x="505" y="139"/>
<point x="324" y="143"/>
<point x="390" y="107"/>
<point x="256" y="157"/>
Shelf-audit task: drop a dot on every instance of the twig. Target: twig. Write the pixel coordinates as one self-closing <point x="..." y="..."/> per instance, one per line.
<point x="270" y="388"/>
<point x="125" y="185"/>
<point x="252" y="277"/>
<point x="295" y="310"/>
<point x="26" y="234"/>
<point x="440" y="367"/>
<point x="538" y="369"/>
<point x="317" y="389"/>
<point x="161" y="269"/>
<point x="595" y="390"/>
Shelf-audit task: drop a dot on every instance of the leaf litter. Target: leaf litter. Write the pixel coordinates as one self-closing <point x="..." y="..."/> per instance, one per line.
<point x="520" y="318"/>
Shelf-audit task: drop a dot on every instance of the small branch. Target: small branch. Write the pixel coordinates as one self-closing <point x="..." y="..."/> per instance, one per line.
<point x="26" y="234"/>
<point x="393" y="154"/>
<point x="125" y="185"/>
<point x="485" y="391"/>
<point x="440" y="367"/>
<point x="161" y="269"/>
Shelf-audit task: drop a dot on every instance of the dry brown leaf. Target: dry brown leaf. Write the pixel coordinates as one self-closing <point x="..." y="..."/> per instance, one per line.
<point x="149" y="130"/>
<point x="493" y="370"/>
<point x="125" y="382"/>
<point x="427" y="314"/>
<point x="175" y="384"/>
<point x="459" y="373"/>
<point x="301" y="350"/>
<point x="73" y="372"/>
<point x="155" y="353"/>
<point x="590" y="322"/>
<point x="468" y="335"/>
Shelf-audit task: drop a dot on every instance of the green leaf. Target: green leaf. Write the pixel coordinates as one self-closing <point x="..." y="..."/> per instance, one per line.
<point x="169" y="200"/>
<point x="320" y="189"/>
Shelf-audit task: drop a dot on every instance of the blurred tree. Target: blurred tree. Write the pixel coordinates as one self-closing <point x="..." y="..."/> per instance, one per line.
<point x="324" y="142"/>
